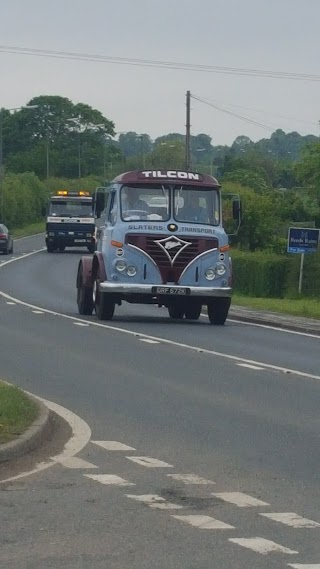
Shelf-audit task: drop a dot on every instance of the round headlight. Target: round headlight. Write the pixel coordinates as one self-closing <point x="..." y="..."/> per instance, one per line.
<point x="210" y="274"/>
<point x="121" y="265"/>
<point x="221" y="269"/>
<point x="131" y="271"/>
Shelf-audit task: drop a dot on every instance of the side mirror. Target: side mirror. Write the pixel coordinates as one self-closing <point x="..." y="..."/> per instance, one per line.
<point x="236" y="210"/>
<point x="43" y="211"/>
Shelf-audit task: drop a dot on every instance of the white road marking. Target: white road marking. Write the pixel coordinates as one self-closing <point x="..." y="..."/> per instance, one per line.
<point x="190" y="479"/>
<point x="81" y="434"/>
<point x="76" y="463"/>
<point x="11" y="303"/>
<point x="239" y="499"/>
<point x="38" y="312"/>
<point x="112" y="445"/>
<point x="203" y="522"/>
<point x="291" y="519"/>
<point x="196" y="349"/>
<point x="149" y="462"/>
<point x="263" y="546"/>
<point x="149" y="341"/>
<point x="109" y="479"/>
<point x="155" y="502"/>
<point x="302" y="566"/>
<point x="250" y="366"/>
<point x="80" y="324"/>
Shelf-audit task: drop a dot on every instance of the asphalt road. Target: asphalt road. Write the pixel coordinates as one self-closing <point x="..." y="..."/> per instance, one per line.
<point x="223" y="465"/>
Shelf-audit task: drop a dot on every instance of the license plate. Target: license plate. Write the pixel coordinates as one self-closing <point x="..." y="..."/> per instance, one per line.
<point x="170" y="290"/>
<point x="80" y="240"/>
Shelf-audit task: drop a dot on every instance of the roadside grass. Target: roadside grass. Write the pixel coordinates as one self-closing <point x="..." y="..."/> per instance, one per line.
<point x="32" y="229"/>
<point x="305" y="307"/>
<point x="17" y="412"/>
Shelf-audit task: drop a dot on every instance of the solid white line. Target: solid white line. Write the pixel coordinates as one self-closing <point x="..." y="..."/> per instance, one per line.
<point x="22" y="256"/>
<point x="149" y="462"/>
<point x="112" y="445"/>
<point x="28" y="236"/>
<point x="263" y="546"/>
<point x="239" y="499"/>
<point x="155" y="502"/>
<point x="77" y="463"/>
<point x="250" y="366"/>
<point x="197" y="349"/>
<point x="291" y="519"/>
<point x="203" y="522"/>
<point x="302" y="566"/>
<point x="80" y="437"/>
<point x="109" y="479"/>
<point x="149" y="341"/>
<point x="190" y="479"/>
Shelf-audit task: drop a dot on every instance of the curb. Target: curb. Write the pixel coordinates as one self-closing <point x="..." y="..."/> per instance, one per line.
<point x="276" y="322"/>
<point x="32" y="438"/>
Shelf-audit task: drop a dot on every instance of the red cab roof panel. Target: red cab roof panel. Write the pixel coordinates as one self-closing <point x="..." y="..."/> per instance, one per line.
<point x="166" y="176"/>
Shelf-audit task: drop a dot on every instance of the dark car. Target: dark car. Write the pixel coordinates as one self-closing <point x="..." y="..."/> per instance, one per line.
<point x="6" y="241"/>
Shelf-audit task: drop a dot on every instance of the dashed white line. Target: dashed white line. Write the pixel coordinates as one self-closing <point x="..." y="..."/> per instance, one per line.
<point x="149" y="462"/>
<point x="149" y="341"/>
<point x="155" y="502"/>
<point x="291" y="519"/>
<point x="239" y="499"/>
<point x="37" y="312"/>
<point x="74" y="462"/>
<point x="303" y="566"/>
<point x="250" y="366"/>
<point x="262" y="546"/>
<point x="109" y="479"/>
<point x="80" y="324"/>
<point x="11" y="303"/>
<point x="203" y="522"/>
<point x="112" y="445"/>
<point x="190" y="479"/>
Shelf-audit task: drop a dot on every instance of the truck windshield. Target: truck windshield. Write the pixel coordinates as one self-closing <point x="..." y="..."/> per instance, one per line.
<point x="196" y="205"/>
<point x="145" y="203"/>
<point x="71" y="208"/>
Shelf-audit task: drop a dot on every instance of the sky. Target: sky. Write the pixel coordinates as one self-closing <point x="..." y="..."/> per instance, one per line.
<point x="277" y="35"/>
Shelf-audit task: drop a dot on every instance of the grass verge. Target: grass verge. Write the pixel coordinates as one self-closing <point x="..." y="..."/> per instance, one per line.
<point x="17" y="412"/>
<point x="32" y="229"/>
<point x="306" y="307"/>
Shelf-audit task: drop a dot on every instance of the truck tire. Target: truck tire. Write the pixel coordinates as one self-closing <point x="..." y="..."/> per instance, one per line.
<point x="92" y="248"/>
<point x="193" y="311"/>
<point x="103" y="303"/>
<point x="84" y="298"/>
<point x="62" y="248"/>
<point x="218" y="309"/>
<point x="50" y="248"/>
<point x="176" y="312"/>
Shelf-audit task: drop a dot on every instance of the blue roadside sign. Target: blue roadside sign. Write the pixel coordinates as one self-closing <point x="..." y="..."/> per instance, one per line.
<point x="303" y="240"/>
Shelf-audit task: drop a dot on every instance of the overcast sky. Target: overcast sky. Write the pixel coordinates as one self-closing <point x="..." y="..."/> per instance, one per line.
<point x="279" y="35"/>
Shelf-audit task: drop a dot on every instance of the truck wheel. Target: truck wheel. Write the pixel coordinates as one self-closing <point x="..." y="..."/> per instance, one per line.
<point x="176" y="312"/>
<point x="84" y="298"/>
<point x="50" y="248"/>
<point x="103" y="303"/>
<point x="218" y="309"/>
<point x="62" y="248"/>
<point x="193" y="311"/>
<point x="92" y="248"/>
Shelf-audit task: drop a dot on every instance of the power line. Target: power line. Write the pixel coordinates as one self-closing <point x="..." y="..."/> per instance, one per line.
<point x="231" y="113"/>
<point x="159" y="64"/>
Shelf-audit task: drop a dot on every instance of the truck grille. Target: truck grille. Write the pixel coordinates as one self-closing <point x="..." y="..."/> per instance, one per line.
<point x="172" y="261"/>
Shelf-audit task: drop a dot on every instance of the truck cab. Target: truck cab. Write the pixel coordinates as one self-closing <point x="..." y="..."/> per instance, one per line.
<point x="161" y="241"/>
<point x="70" y="221"/>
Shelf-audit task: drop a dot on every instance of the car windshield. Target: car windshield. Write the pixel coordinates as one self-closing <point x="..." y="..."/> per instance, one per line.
<point x="145" y="203"/>
<point x="196" y="205"/>
<point x="71" y="208"/>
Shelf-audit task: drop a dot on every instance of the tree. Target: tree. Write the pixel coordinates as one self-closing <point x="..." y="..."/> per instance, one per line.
<point x="169" y="155"/>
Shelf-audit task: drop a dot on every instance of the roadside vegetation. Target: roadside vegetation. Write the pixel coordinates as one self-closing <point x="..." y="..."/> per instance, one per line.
<point x="17" y="412"/>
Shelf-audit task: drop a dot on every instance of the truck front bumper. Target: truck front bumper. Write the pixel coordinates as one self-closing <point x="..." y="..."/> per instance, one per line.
<point x="168" y="290"/>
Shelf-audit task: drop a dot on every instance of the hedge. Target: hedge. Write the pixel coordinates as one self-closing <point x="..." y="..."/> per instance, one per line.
<point x="267" y="275"/>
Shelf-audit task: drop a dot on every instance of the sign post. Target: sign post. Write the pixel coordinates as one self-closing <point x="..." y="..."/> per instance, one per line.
<point x="302" y="240"/>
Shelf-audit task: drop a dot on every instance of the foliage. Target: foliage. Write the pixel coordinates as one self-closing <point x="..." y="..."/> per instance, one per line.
<point x="17" y="412"/>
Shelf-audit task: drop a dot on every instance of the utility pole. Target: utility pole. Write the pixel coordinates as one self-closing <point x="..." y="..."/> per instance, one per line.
<point x="188" y="128"/>
<point x="1" y="164"/>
